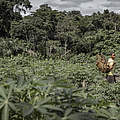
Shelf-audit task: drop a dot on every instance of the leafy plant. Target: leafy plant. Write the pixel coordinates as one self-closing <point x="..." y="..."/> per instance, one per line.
<point x="6" y="103"/>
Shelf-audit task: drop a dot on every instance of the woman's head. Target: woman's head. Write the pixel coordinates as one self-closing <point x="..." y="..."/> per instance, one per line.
<point x="113" y="55"/>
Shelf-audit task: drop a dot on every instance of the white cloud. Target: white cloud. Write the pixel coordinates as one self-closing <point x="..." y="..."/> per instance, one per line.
<point x="114" y="0"/>
<point x="94" y="6"/>
<point x="112" y="4"/>
<point x="85" y="6"/>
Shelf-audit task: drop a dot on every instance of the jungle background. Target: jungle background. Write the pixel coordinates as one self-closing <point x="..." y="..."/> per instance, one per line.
<point x="48" y="64"/>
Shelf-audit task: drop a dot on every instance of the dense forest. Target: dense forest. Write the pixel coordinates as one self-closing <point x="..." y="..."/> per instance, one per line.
<point x="48" y="63"/>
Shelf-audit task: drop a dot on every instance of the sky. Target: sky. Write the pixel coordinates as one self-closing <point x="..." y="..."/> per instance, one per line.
<point x="86" y="7"/>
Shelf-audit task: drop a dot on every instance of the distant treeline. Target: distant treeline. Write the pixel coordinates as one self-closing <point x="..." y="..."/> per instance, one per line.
<point x="56" y="34"/>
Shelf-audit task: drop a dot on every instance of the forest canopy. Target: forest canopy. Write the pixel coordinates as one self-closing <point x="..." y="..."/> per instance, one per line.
<point x="51" y="33"/>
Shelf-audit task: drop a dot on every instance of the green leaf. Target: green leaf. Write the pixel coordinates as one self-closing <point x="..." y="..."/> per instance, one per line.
<point x="1" y="100"/>
<point x="10" y="92"/>
<point x="2" y="92"/>
<point x="103" y="113"/>
<point x="1" y="105"/>
<point x="42" y="110"/>
<point x="82" y="116"/>
<point x="26" y="109"/>
<point x="68" y="111"/>
<point x="44" y="101"/>
<point x="52" y="107"/>
<point x="5" y="112"/>
<point x="12" y="106"/>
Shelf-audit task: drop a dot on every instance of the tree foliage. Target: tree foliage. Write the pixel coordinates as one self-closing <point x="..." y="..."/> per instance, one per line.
<point x="73" y="32"/>
<point x="9" y="10"/>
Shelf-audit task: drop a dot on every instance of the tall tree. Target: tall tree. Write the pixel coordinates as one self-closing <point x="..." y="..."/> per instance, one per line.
<point x="8" y="9"/>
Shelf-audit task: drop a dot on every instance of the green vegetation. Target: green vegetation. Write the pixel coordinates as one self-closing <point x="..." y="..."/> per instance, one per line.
<point x="47" y="64"/>
<point x="34" y="89"/>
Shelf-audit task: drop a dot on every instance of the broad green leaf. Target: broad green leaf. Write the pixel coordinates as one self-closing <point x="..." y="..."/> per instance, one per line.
<point x="68" y="111"/>
<point x="27" y="109"/>
<point x="12" y="106"/>
<point x="1" y="105"/>
<point x="44" y="101"/>
<point x="1" y="100"/>
<point x="103" y="113"/>
<point x="5" y="112"/>
<point x="2" y="92"/>
<point x="10" y="91"/>
<point x="42" y="110"/>
<point x="82" y="116"/>
<point x="52" y="107"/>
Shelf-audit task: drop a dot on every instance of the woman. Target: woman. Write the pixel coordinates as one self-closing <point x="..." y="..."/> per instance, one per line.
<point x="111" y="63"/>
